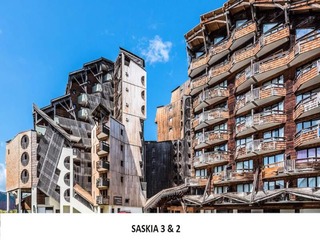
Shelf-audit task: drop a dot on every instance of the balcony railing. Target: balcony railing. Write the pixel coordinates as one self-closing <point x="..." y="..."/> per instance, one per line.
<point x="232" y="176"/>
<point x="308" y="106"/>
<point x="260" y="121"/>
<point x="308" y="136"/>
<point x="308" y="77"/>
<point x="243" y="57"/>
<point x="211" y="138"/>
<point x="291" y="167"/>
<point x="273" y="39"/>
<point x="102" y="149"/>
<point x="102" y="166"/>
<point x="259" y="97"/>
<point x="198" y="84"/>
<point x="260" y="147"/>
<point x="101" y="200"/>
<point x="198" y="182"/>
<point x="243" y="33"/>
<point x="210" y="117"/>
<point x="211" y="158"/>
<point x="103" y="131"/>
<point x="102" y="183"/>
<point x="197" y="65"/>
<point x="209" y="97"/>
<point x="220" y="71"/>
<point x="219" y="50"/>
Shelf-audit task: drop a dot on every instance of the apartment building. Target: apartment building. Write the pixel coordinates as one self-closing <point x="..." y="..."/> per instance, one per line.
<point x="85" y="151"/>
<point x="255" y="90"/>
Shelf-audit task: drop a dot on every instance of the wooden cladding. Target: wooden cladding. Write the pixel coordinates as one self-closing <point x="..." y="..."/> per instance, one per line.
<point x="211" y="159"/>
<point x="308" y="136"/>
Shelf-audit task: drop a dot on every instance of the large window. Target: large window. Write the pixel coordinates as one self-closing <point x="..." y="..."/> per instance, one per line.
<point x="274" y="107"/>
<point x="243" y="141"/>
<point x="266" y="27"/>
<point x="300" y="32"/>
<point x="223" y="147"/>
<point x="306" y="95"/>
<point x="244" y="187"/>
<point x="218" y="169"/>
<point x="242" y="118"/>
<point x="222" y="126"/>
<point x="245" y="166"/>
<point x="309" y="182"/>
<point x="307" y="124"/>
<point x="276" y="133"/>
<point x="241" y="22"/>
<point x="274" y="82"/>
<point x="273" y="159"/>
<point x="222" y="189"/>
<point x="201" y="173"/>
<point x="273" y="185"/>
<point x="218" y="39"/>
<point x="308" y="153"/>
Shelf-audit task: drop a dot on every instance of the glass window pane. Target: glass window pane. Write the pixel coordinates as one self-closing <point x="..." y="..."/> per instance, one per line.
<point x="245" y="165"/>
<point x="318" y="152"/>
<point x="271" y="185"/>
<point x="240" y="188"/>
<point x="265" y="186"/>
<point x="239" y="166"/>
<point x="240" y="22"/>
<point x="302" y="182"/>
<point x="280" y="184"/>
<point x="279" y="158"/>
<point x="302" y="154"/>
<point x="246" y="188"/>
<point x="271" y="159"/>
<point x="265" y="161"/>
<point x="306" y="125"/>
<point x="312" y="153"/>
<point x="268" y="26"/>
<point x="300" y="32"/>
<point x="318" y="181"/>
<point x="267" y="135"/>
<point x="250" y="164"/>
<point x="217" y="40"/>
<point x="312" y="182"/>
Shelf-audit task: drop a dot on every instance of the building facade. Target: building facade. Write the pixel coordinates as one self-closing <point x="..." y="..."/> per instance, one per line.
<point x="85" y="152"/>
<point x="255" y="90"/>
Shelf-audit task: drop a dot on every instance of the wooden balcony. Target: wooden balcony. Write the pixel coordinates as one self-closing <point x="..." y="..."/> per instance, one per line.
<point x="260" y="147"/>
<point x="103" y="132"/>
<point x="211" y="159"/>
<point x="243" y="57"/>
<point x="273" y="39"/>
<point x="308" y="136"/>
<point x="210" y="117"/>
<point x="232" y="176"/>
<point x="102" y="166"/>
<point x="102" y="183"/>
<point x="244" y="79"/>
<point x="259" y="122"/>
<point x="102" y="149"/>
<point x="271" y="65"/>
<point x="305" y="48"/>
<point x="309" y="76"/>
<point x="307" y="107"/>
<point x="198" y="182"/>
<point x="258" y="97"/>
<point x="219" y="51"/>
<point x="295" y="167"/>
<point x="198" y="84"/>
<point x="219" y="72"/>
<point x="242" y="34"/>
<point x="211" y="138"/>
<point x="209" y="97"/>
<point x="198" y="65"/>
<point x="101" y="200"/>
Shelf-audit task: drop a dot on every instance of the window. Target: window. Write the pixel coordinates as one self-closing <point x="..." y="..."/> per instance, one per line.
<point x="121" y="179"/>
<point x="221" y="189"/>
<point x="220" y="127"/>
<point x="242" y="118"/>
<point x="217" y="40"/>
<point x="243" y="141"/>
<point x="277" y="133"/>
<point x="219" y="168"/>
<point x="306" y="125"/>
<point x="121" y="148"/>
<point x="272" y="108"/>
<point x="245" y="166"/>
<point x="309" y="182"/>
<point x="24" y="141"/>
<point x="308" y="153"/>
<point x="274" y="82"/>
<point x="121" y="163"/>
<point x="25" y="159"/>
<point x="143" y="80"/>
<point x="300" y="32"/>
<point x="201" y="173"/>
<point x="24" y="176"/>
<point x="273" y="185"/>
<point x="241" y="22"/>
<point x="273" y="159"/>
<point x="244" y="187"/>
<point x="223" y="147"/>
<point x="268" y="26"/>
<point x="121" y="132"/>
<point x="306" y="95"/>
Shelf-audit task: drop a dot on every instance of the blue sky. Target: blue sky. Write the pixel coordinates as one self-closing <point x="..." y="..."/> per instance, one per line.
<point x="42" y="41"/>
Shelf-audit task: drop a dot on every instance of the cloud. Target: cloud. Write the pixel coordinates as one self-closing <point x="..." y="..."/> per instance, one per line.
<point x="2" y="177"/>
<point x="157" y="50"/>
